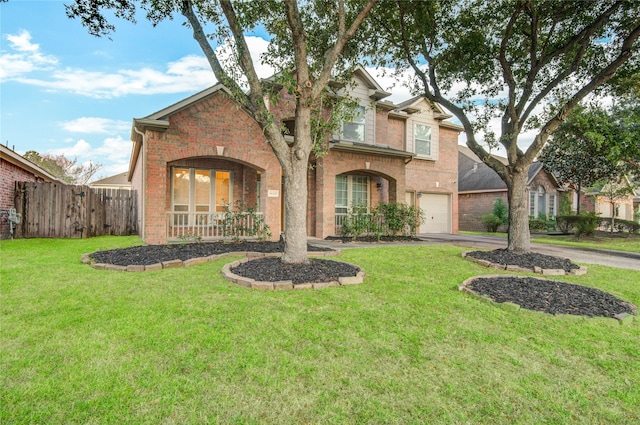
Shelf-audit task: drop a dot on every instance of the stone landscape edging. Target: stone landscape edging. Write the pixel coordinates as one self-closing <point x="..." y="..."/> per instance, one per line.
<point x="514" y="268"/>
<point x="171" y="264"/>
<point x="623" y="319"/>
<point x="284" y="284"/>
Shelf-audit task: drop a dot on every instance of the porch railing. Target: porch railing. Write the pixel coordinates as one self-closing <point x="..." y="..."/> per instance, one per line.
<point x="341" y="219"/>
<point x="213" y="226"/>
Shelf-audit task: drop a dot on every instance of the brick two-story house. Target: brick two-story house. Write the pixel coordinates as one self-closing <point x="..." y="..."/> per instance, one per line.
<point x="193" y="159"/>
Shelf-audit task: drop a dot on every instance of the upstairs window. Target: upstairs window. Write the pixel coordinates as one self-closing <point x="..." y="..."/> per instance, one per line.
<point x="354" y="129"/>
<point x="422" y="140"/>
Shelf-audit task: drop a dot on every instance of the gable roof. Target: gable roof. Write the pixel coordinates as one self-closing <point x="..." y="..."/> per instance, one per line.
<point x="118" y="180"/>
<point x="158" y="119"/>
<point x="476" y="176"/>
<point x="18" y="160"/>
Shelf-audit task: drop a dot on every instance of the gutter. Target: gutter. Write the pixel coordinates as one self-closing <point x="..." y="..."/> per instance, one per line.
<point x="143" y="195"/>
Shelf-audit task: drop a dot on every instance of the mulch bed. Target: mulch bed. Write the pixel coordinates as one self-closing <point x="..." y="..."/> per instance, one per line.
<point x="151" y="254"/>
<point x="530" y="293"/>
<point x="551" y="296"/>
<point x="271" y="269"/>
<point x="527" y="260"/>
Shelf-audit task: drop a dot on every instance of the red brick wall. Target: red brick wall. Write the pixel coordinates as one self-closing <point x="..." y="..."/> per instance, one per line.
<point x="440" y="176"/>
<point x="194" y="133"/>
<point x="472" y="206"/>
<point x="9" y="175"/>
<point x="336" y="163"/>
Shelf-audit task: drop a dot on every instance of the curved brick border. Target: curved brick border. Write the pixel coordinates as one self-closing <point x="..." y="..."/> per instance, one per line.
<point x="513" y="268"/>
<point x="284" y="284"/>
<point x="86" y="259"/>
<point x="624" y="319"/>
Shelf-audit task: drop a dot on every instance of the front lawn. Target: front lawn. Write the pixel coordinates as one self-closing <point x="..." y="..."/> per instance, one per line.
<point x="602" y="240"/>
<point x="185" y="346"/>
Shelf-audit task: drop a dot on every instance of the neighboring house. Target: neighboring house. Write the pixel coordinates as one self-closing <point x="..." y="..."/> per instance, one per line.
<point x="479" y="186"/>
<point x="193" y="159"/>
<point x="119" y="181"/>
<point x="621" y="207"/>
<point x="14" y="168"/>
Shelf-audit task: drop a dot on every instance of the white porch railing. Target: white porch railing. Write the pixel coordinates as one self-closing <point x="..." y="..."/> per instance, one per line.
<point x="213" y="226"/>
<point x="341" y="219"/>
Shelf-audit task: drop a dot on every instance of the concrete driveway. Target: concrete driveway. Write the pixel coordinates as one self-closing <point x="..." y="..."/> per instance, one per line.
<point x="620" y="259"/>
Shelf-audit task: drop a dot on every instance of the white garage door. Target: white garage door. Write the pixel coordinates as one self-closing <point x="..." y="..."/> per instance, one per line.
<point x="437" y="211"/>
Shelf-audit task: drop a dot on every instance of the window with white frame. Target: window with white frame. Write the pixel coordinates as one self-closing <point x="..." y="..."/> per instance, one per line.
<point x="195" y="193"/>
<point x="542" y="203"/>
<point x="552" y="206"/>
<point x="351" y="191"/>
<point x="422" y="140"/>
<point x="533" y="196"/>
<point x="354" y="130"/>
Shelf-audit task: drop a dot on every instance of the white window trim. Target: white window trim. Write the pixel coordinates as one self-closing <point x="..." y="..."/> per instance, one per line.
<point x="350" y="192"/>
<point x="431" y="140"/>
<point x="191" y="207"/>
<point x="363" y="124"/>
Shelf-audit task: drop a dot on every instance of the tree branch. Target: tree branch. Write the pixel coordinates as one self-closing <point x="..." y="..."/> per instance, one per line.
<point x="603" y="76"/>
<point x="331" y="56"/>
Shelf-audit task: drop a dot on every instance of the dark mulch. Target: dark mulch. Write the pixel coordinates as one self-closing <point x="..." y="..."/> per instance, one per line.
<point x="551" y="296"/>
<point x="527" y="260"/>
<point x="152" y="254"/>
<point x="270" y="269"/>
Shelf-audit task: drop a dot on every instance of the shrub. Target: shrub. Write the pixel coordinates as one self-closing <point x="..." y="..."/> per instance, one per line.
<point x="620" y="225"/>
<point x="358" y="222"/>
<point x="501" y="211"/>
<point x="537" y="224"/>
<point x="245" y="221"/>
<point x="586" y="224"/>
<point x="566" y="223"/>
<point x="394" y="215"/>
<point x="386" y="219"/>
<point x="491" y="222"/>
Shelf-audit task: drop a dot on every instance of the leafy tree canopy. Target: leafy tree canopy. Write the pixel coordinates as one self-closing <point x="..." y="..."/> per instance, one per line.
<point x="525" y="63"/>
<point x="310" y="41"/>
<point x="67" y="170"/>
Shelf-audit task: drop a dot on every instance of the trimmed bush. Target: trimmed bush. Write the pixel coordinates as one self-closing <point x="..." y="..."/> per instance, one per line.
<point x="625" y="226"/>
<point x="491" y="222"/>
<point x="537" y="224"/>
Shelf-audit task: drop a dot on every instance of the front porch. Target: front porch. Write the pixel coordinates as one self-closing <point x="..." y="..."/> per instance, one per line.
<point x="216" y="226"/>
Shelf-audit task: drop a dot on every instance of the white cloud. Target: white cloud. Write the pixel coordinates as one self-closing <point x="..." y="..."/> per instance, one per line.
<point x="22" y="42"/>
<point x="96" y="125"/>
<point x="187" y="74"/>
<point x="113" y="152"/>
<point x="25" y="58"/>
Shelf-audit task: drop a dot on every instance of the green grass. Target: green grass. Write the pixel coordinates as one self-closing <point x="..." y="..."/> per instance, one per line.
<point x="82" y="346"/>
<point x="629" y="242"/>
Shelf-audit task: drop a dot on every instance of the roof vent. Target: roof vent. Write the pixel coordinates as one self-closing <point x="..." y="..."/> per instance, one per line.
<point x="475" y="167"/>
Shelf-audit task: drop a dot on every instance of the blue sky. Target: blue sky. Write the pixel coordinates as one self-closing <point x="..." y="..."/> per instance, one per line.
<point x="63" y="91"/>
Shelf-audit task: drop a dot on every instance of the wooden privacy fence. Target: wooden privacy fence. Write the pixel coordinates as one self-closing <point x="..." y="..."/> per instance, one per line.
<point x="53" y="210"/>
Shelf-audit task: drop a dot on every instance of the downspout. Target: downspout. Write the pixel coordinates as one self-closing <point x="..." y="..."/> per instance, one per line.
<point x="143" y="195"/>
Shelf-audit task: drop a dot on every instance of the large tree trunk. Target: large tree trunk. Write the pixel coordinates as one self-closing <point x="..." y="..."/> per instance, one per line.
<point x="519" y="239"/>
<point x="295" y="212"/>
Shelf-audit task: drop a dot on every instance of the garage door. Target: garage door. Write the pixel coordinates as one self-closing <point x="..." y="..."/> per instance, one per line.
<point x="437" y="211"/>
